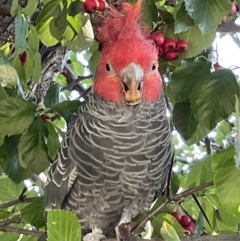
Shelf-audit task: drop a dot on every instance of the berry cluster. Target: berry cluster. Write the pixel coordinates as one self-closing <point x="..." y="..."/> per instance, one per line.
<point x="95" y="5"/>
<point x="233" y="10"/>
<point x="168" y="47"/>
<point x="185" y="221"/>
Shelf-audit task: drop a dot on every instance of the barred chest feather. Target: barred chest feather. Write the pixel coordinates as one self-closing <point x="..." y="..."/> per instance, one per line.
<point x="119" y="157"/>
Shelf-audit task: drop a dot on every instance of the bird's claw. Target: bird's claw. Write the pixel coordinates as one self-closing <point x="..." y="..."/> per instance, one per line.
<point x="123" y="231"/>
<point x="95" y="235"/>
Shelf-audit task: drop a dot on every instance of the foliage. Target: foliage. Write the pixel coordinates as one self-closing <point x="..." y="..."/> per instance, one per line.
<point x="205" y="116"/>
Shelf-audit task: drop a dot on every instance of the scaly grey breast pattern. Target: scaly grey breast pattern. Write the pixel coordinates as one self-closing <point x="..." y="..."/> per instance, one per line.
<point x="111" y="158"/>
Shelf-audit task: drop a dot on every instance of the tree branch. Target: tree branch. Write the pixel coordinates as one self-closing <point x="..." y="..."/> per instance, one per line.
<point x="235" y="237"/>
<point x="230" y="27"/>
<point x="168" y="200"/>
<point x="9" y="229"/>
<point x="17" y="201"/>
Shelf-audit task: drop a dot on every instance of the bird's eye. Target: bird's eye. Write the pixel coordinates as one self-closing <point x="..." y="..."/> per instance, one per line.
<point x="154" y="66"/>
<point x="108" y="67"/>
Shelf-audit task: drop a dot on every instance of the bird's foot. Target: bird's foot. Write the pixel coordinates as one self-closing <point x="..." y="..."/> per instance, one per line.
<point x="123" y="231"/>
<point x="95" y="235"/>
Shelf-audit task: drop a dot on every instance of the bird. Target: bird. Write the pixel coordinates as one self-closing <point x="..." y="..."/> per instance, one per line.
<point x="116" y="154"/>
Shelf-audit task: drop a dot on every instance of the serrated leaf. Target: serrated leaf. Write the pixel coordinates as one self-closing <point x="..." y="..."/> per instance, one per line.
<point x="45" y="24"/>
<point x="169" y="233"/>
<point x="33" y="40"/>
<point x="223" y="129"/>
<point x="16" y="115"/>
<point x="213" y="98"/>
<point x="192" y="36"/>
<point x="9" y="160"/>
<point x="63" y="225"/>
<point x="53" y="141"/>
<point x="227" y="182"/>
<point x="21" y="32"/>
<point x="186" y="124"/>
<point x="182" y="20"/>
<point x="8" y="75"/>
<point x="185" y="77"/>
<point x="67" y="108"/>
<point x="32" y="147"/>
<point x="52" y="96"/>
<point x="34" y="213"/>
<point x="9" y="190"/>
<point x="207" y="14"/>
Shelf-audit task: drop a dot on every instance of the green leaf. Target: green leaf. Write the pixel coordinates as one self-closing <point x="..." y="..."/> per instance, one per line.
<point x="186" y="124"/>
<point x="34" y="213"/>
<point x="169" y="233"/>
<point x="15" y="8"/>
<point x="213" y="98"/>
<point x="63" y="225"/>
<point x="182" y="20"/>
<point x="200" y="173"/>
<point x="52" y="96"/>
<point x="207" y="14"/>
<point x="161" y="218"/>
<point x="16" y="115"/>
<point x="223" y="129"/>
<point x="4" y="214"/>
<point x="93" y="62"/>
<point x="32" y="148"/>
<point x="185" y="77"/>
<point x="36" y="67"/>
<point x="3" y="94"/>
<point x="224" y="159"/>
<point x="53" y="141"/>
<point x="67" y="108"/>
<point x="21" y="32"/>
<point x="227" y="182"/>
<point x="45" y="24"/>
<point x="33" y="40"/>
<point x="30" y="8"/>
<point x="192" y="36"/>
<point x="9" y="160"/>
<point x="8" y="75"/>
<point x="9" y="191"/>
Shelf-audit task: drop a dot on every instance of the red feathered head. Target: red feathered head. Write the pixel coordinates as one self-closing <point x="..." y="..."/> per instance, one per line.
<point x="128" y="67"/>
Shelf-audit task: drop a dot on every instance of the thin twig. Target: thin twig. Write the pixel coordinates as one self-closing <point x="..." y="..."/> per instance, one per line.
<point x="208" y="145"/>
<point x="9" y="229"/>
<point x="168" y="200"/>
<point x="17" y="201"/>
<point x="15" y="219"/>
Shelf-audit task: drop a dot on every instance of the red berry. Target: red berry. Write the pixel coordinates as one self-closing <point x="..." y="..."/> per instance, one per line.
<point x="185" y="221"/>
<point x="90" y="5"/>
<point x="233" y="9"/>
<point x="23" y="58"/>
<point x="171" y="55"/>
<point x="102" y="5"/>
<point x="158" y="37"/>
<point x="181" y="46"/>
<point x="168" y="44"/>
<point x="190" y="229"/>
<point x="160" y="51"/>
<point x="44" y="118"/>
<point x="217" y="67"/>
<point x="177" y="215"/>
<point x="64" y="72"/>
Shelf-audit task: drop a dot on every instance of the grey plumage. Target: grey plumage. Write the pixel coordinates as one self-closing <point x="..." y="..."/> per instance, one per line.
<point x="112" y="158"/>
